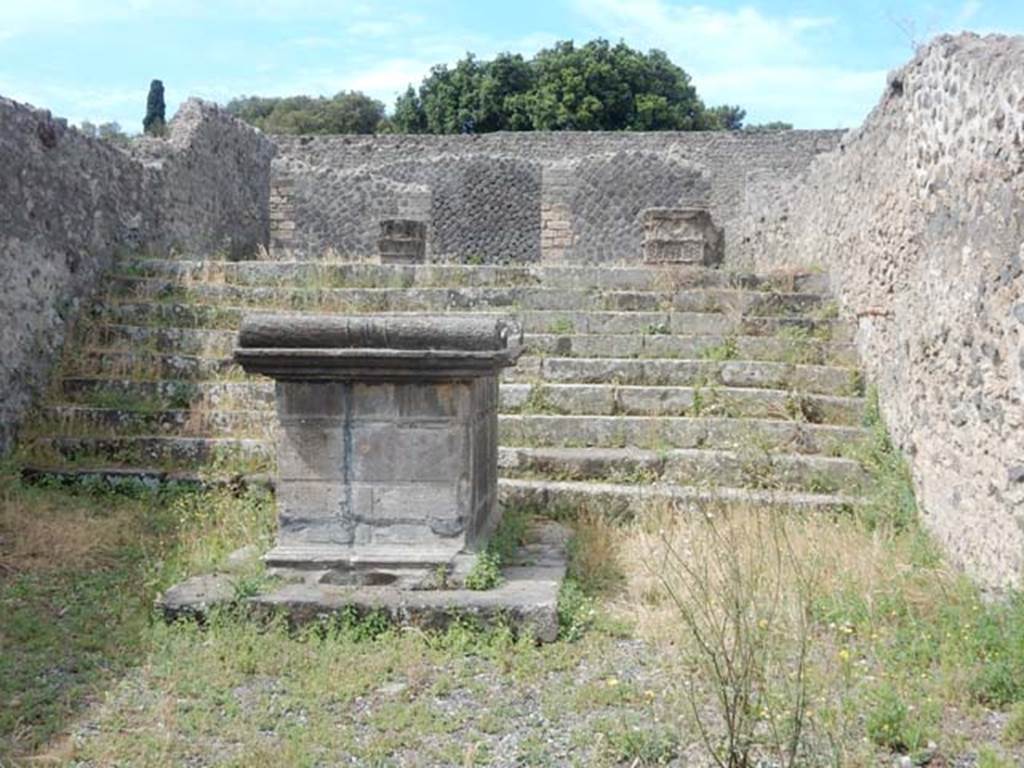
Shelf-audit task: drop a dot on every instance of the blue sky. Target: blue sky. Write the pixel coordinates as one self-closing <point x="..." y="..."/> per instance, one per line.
<point x="815" y="64"/>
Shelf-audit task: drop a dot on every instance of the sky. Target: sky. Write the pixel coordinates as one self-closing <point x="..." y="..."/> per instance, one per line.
<point x="815" y="64"/>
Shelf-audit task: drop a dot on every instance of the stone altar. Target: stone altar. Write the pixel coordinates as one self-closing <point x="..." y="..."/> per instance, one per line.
<point x="387" y="438"/>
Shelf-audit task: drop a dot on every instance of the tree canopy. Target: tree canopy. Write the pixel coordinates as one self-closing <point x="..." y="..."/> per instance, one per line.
<point x="345" y="112"/>
<point x="594" y="87"/>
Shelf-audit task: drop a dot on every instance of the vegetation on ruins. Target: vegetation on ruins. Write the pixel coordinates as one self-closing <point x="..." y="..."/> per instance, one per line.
<point x="110" y="131"/>
<point x="345" y="112"/>
<point x="592" y="87"/>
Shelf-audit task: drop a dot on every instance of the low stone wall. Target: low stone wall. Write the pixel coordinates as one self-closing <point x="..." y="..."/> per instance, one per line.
<point x="506" y="197"/>
<point x="69" y="204"/>
<point x="919" y="217"/>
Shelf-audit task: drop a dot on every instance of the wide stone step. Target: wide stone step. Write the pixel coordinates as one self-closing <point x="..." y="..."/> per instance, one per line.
<point x="661" y="433"/>
<point x="198" y="408"/>
<point x="169" y="394"/>
<point x="629" y="400"/>
<point x="207" y="454"/>
<point x="791" y="347"/>
<point x="184" y="422"/>
<point x="624" y="501"/>
<point x="706" y="374"/>
<point x="368" y="275"/>
<point x="373" y="300"/>
<point x="182" y="314"/>
<point x="551" y="497"/>
<point x="526" y="430"/>
<point x="748" y="468"/>
<point x="149" y="366"/>
<point x="141" y="404"/>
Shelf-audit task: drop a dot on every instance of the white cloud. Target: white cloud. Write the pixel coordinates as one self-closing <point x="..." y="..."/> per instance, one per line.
<point x="707" y="34"/>
<point x="768" y="64"/>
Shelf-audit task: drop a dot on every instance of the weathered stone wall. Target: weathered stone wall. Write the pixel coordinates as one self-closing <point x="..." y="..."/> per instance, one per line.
<point x="69" y="204"/>
<point x="530" y="196"/>
<point x="209" y="183"/>
<point x="66" y="204"/>
<point x="919" y="217"/>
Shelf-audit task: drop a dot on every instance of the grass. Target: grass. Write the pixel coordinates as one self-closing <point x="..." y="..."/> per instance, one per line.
<point x="89" y="675"/>
<point x="899" y="650"/>
<point x="78" y="570"/>
<point x="811" y="640"/>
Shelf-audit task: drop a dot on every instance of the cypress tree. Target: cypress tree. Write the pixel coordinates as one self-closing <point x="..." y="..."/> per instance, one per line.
<point x="155" y="120"/>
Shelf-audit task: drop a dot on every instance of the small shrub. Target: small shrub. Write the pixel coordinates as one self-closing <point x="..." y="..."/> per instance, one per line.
<point x="743" y="600"/>
<point x="990" y="758"/>
<point x="719" y="353"/>
<point x="563" y="326"/>
<point x="890" y="725"/>
<point x="485" y="573"/>
<point x="889" y="502"/>
<point x="576" y="611"/>
<point x="509" y="535"/>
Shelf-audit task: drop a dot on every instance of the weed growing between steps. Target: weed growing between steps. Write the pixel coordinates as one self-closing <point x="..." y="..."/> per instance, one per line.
<point x="509" y="535"/>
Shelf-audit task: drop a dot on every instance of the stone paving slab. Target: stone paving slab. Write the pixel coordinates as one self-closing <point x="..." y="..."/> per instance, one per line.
<point x="526" y="600"/>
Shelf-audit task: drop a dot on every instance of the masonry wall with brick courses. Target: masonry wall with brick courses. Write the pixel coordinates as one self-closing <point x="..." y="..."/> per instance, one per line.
<point x="510" y="197"/>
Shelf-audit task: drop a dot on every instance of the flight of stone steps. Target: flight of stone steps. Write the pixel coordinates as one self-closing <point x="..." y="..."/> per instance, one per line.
<point x="638" y="384"/>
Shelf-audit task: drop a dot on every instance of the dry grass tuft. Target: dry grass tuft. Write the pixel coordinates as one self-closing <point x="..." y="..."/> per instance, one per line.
<point x="597" y="552"/>
<point x="841" y="552"/>
<point x="41" y="532"/>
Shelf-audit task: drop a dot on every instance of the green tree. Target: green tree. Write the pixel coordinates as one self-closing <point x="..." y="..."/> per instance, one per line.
<point x="345" y="112"/>
<point x="726" y="118"/>
<point x="597" y="86"/>
<point x="409" y="116"/>
<point x="111" y="132"/>
<point x="155" y="120"/>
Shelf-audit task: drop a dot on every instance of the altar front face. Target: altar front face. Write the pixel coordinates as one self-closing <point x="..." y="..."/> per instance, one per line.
<point x="386" y="470"/>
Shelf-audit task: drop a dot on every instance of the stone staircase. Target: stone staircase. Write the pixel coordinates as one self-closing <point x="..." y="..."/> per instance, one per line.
<point x="638" y="385"/>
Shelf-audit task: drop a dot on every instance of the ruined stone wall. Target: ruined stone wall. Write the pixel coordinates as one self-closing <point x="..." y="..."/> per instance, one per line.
<point x="209" y="183"/>
<point x="532" y="196"/>
<point x="69" y="204"/>
<point x="919" y="217"/>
